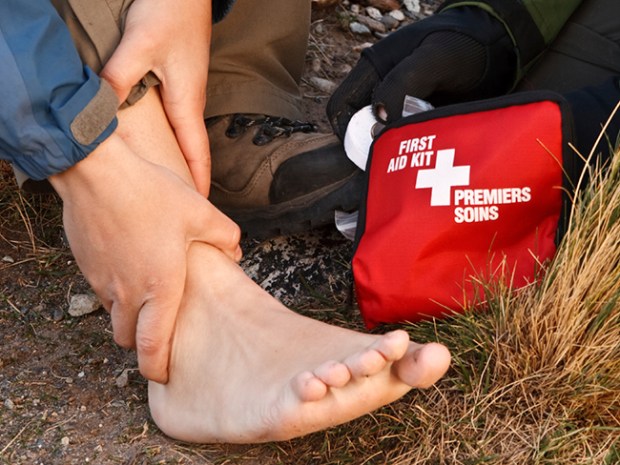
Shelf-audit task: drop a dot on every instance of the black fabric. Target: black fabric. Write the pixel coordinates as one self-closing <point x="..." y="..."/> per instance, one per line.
<point x="592" y="107"/>
<point x="521" y="24"/>
<point x="586" y="52"/>
<point x="220" y="8"/>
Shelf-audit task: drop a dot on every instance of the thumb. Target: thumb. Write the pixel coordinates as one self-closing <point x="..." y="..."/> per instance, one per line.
<point x="405" y="79"/>
<point x="155" y="328"/>
<point x="213" y="227"/>
<point x="125" y="68"/>
<point x="352" y="94"/>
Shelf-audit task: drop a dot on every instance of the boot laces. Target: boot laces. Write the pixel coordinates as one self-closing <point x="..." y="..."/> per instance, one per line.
<point x="269" y="127"/>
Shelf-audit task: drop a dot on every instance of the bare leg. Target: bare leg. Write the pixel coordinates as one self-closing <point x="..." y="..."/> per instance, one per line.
<point x="246" y="369"/>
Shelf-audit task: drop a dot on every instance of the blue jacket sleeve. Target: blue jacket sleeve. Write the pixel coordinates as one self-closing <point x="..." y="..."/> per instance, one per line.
<point x="53" y="109"/>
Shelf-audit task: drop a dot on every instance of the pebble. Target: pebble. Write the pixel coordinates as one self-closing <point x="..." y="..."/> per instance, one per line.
<point x="122" y="380"/>
<point x="64" y="441"/>
<point x="412" y="5"/>
<point x="359" y="48"/>
<point x="357" y="28"/>
<point x="58" y="314"/>
<point x="83" y="304"/>
<point x="8" y="403"/>
<point x="372" y="24"/>
<point x="374" y="13"/>
<point x="344" y="69"/>
<point x="389" y="22"/>
<point x="316" y="65"/>
<point x="398" y="15"/>
<point x="324" y="85"/>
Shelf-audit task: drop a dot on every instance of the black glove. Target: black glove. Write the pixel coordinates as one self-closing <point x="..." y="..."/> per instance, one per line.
<point x="457" y="55"/>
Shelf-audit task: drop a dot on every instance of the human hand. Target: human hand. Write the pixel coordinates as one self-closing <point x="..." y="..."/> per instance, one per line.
<point x="130" y="223"/>
<point x="456" y="55"/>
<point x="170" y="39"/>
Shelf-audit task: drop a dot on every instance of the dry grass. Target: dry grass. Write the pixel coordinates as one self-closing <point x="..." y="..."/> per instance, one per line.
<point x="536" y="378"/>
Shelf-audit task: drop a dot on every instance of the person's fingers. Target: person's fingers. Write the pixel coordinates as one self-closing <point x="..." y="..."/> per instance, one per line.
<point x="405" y="79"/>
<point x="215" y="228"/>
<point x="185" y="113"/>
<point x="352" y="94"/>
<point x="155" y="327"/>
<point x="123" y="70"/>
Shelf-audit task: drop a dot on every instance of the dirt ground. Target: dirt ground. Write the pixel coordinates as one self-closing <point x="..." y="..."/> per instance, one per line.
<point x="68" y="394"/>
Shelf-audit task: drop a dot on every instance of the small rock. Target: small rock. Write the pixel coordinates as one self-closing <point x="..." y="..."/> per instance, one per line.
<point x="372" y="24"/>
<point x="360" y="47"/>
<point x="389" y="22"/>
<point x="344" y="69"/>
<point x="58" y="314"/>
<point x="412" y="5"/>
<point x="397" y="15"/>
<point x="8" y="403"/>
<point x="8" y="259"/>
<point x="64" y="441"/>
<point x="374" y="13"/>
<point x="324" y="85"/>
<point x="122" y="380"/>
<point x="83" y="304"/>
<point x="316" y="65"/>
<point x="356" y="9"/>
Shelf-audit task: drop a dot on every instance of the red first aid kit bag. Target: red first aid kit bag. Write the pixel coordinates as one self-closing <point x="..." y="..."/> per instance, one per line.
<point x="458" y="197"/>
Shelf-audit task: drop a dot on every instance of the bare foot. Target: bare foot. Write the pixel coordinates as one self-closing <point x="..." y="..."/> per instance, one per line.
<point x="246" y="369"/>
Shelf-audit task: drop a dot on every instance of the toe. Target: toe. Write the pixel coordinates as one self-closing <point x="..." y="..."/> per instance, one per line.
<point x="308" y="387"/>
<point x="333" y="374"/>
<point x="423" y="365"/>
<point x="393" y="345"/>
<point x="365" y="363"/>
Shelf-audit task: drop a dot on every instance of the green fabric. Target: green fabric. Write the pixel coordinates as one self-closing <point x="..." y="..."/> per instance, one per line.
<point x="551" y="15"/>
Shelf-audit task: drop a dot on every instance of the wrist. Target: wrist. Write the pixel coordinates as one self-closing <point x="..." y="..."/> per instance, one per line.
<point x="99" y="168"/>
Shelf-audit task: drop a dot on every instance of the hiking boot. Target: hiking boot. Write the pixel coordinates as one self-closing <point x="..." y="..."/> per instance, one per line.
<point x="276" y="176"/>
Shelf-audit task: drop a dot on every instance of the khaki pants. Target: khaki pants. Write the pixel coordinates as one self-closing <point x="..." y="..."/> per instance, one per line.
<point x="257" y="58"/>
<point x="257" y="54"/>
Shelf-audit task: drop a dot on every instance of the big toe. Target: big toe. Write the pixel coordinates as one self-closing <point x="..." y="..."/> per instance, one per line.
<point x="423" y="365"/>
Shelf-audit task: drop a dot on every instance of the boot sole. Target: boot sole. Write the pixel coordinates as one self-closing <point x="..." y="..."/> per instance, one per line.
<point x="301" y="214"/>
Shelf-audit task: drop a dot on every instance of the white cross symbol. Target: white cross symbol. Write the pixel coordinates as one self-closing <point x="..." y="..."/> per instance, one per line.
<point x="442" y="178"/>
